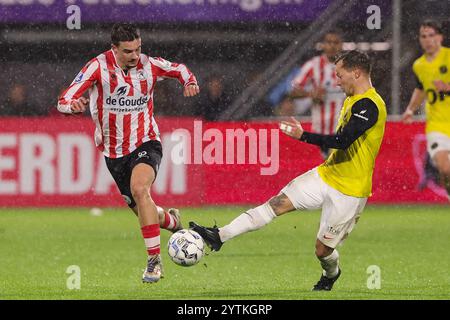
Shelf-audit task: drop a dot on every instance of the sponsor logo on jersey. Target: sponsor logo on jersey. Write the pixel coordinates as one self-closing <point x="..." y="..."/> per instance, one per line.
<point x="360" y="115"/>
<point x="122" y="90"/>
<point x="125" y="101"/>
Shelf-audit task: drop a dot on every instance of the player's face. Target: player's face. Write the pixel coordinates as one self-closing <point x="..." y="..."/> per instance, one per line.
<point x="430" y="40"/>
<point x="127" y="53"/>
<point x="332" y="45"/>
<point x="345" y="79"/>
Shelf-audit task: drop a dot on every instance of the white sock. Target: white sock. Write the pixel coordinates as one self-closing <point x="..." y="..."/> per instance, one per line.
<point x="251" y="220"/>
<point x="330" y="264"/>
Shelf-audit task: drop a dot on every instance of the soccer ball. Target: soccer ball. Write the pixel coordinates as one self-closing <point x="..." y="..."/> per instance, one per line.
<point x="186" y="247"/>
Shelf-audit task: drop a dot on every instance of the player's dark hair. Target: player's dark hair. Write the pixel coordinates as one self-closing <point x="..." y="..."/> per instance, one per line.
<point x="124" y="32"/>
<point x="355" y="59"/>
<point x="436" y="26"/>
<point x="336" y="31"/>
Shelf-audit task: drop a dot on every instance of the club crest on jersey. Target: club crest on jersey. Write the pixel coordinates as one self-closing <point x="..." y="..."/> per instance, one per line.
<point x="141" y="75"/>
<point x="443" y="69"/>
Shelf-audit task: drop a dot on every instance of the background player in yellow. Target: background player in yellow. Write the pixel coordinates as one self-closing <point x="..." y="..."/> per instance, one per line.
<point x="340" y="186"/>
<point x="432" y="72"/>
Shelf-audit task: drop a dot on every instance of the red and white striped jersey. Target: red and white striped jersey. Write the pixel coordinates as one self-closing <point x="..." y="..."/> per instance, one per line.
<point x="319" y="72"/>
<point x="121" y="104"/>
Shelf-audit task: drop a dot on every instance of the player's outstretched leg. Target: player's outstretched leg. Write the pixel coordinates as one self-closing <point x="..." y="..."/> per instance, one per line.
<point x="251" y="220"/>
<point x="210" y="235"/>
<point x="170" y="219"/>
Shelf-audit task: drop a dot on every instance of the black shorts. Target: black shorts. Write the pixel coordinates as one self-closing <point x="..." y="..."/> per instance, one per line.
<point x="149" y="152"/>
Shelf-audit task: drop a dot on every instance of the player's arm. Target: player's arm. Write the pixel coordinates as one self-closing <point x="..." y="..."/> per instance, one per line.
<point x="415" y="102"/>
<point x="166" y="69"/>
<point x="71" y="100"/>
<point x="364" y="116"/>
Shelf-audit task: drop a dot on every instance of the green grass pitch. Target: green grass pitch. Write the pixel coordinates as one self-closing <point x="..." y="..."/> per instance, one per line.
<point x="409" y="244"/>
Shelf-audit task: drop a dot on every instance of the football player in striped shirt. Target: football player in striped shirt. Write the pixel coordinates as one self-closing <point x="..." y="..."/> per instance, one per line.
<point x="340" y="186"/>
<point x="432" y="72"/>
<point x="120" y="83"/>
<point x="317" y="80"/>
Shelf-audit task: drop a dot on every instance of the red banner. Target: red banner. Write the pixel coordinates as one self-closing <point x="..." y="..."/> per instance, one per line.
<point x="53" y="162"/>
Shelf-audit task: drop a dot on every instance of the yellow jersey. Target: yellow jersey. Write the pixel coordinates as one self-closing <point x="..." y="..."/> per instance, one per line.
<point x="437" y="107"/>
<point x="350" y="169"/>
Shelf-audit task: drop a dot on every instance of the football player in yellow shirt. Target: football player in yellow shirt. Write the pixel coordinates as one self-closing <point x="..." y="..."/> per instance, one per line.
<point x="432" y="72"/>
<point x="340" y="186"/>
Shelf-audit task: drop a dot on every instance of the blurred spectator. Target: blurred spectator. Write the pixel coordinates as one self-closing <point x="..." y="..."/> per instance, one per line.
<point x="17" y="103"/>
<point x="213" y="100"/>
<point x="278" y="93"/>
<point x="317" y="81"/>
<point x="282" y="104"/>
<point x="298" y="107"/>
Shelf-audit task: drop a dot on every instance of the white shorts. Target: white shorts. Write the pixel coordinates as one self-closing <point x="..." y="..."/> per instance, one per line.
<point x="436" y="142"/>
<point x="340" y="212"/>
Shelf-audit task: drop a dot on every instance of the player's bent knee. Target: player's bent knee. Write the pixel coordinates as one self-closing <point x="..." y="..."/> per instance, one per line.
<point x="139" y="191"/>
<point x="322" y="250"/>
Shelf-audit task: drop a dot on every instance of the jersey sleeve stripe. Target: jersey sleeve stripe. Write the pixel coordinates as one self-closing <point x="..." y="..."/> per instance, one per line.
<point x="76" y="89"/>
<point x="164" y="68"/>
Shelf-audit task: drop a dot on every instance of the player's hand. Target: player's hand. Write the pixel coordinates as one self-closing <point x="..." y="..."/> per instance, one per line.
<point x="293" y="129"/>
<point x="318" y="95"/>
<point x="191" y="90"/>
<point x="79" y="106"/>
<point x="441" y="86"/>
<point x="407" y="116"/>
